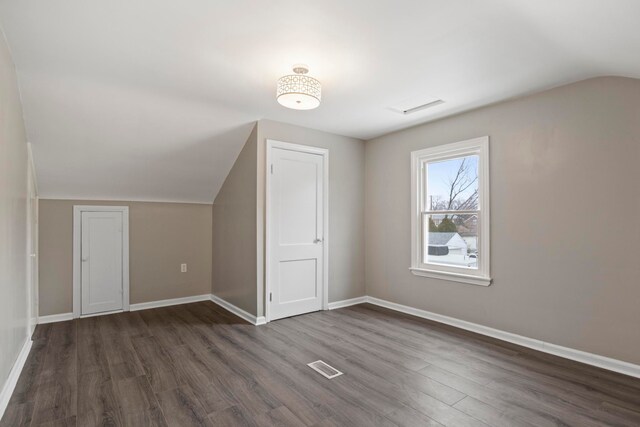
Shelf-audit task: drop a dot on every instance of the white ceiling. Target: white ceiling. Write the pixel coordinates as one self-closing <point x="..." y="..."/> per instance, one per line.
<point x="153" y="99"/>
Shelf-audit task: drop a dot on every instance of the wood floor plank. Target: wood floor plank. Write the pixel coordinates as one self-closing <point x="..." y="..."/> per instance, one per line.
<point x="197" y="364"/>
<point x="26" y="387"/>
<point x="234" y="416"/>
<point x="203" y="329"/>
<point x="56" y="396"/>
<point x="283" y="390"/>
<point x="92" y="352"/>
<point x="411" y="396"/>
<point x="391" y="372"/>
<point x="213" y="394"/>
<point x="525" y="362"/>
<point x="501" y="402"/>
<point x="488" y="414"/>
<point x="135" y="395"/>
<point x="56" y="399"/>
<point x="279" y="417"/>
<point x="181" y="408"/>
<point x="61" y="357"/>
<point x="132" y="324"/>
<point x="456" y="358"/>
<point x="559" y="405"/>
<point x="42" y="332"/>
<point x="277" y="355"/>
<point x="145" y="418"/>
<point x="67" y="422"/>
<point x="160" y="325"/>
<point x="97" y="403"/>
<point x="394" y="382"/>
<point x="349" y="390"/>
<point x="122" y="358"/>
<point x="382" y="351"/>
<point x="327" y="422"/>
<point x="409" y="417"/>
<point x="157" y="363"/>
<point x="17" y="415"/>
<point x="630" y="415"/>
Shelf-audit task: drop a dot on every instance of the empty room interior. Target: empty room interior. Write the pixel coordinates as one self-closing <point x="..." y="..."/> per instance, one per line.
<point x="319" y="213"/>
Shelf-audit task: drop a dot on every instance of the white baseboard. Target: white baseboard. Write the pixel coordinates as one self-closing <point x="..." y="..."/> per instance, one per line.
<point x="132" y="307"/>
<point x="168" y="302"/>
<point x="545" y="347"/>
<point x="102" y="313"/>
<point x="14" y="374"/>
<point x="557" y="350"/>
<point x="55" y="318"/>
<point x="238" y="311"/>
<point x="347" y="302"/>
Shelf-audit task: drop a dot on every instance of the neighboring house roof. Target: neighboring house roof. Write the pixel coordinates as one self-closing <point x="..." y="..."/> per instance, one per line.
<point x="440" y="239"/>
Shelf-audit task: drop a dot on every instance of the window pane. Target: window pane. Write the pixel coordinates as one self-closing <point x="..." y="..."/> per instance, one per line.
<point x="452" y="184"/>
<point x="451" y="240"/>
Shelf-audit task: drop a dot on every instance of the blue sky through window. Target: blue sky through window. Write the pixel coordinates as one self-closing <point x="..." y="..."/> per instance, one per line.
<point x="441" y="174"/>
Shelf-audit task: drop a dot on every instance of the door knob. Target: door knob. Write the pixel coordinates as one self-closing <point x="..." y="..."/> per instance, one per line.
<point x="317" y="241"/>
<point x="85" y="259"/>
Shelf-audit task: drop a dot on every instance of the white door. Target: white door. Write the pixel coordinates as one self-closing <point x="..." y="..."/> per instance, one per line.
<point x="296" y="233"/>
<point x="101" y="256"/>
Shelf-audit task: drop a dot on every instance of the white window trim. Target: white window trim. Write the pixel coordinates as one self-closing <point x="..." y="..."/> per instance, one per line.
<point x="476" y="146"/>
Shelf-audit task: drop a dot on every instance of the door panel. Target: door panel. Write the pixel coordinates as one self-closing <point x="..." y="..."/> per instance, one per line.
<point x="298" y="200"/>
<point x="298" y="280"/>
<point x="296" y="233"/>
<point x="102" y="247"/>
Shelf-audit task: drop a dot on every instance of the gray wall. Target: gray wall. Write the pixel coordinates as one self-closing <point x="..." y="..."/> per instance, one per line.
<point x="161" y="237"/>
<point x="346" y="205"/>
<point x="234" y="232"/>
<point x="565" y="229"/>
<point x="13" y="217"/>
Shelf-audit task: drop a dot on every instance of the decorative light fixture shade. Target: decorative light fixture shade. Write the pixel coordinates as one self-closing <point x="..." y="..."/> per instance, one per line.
<point x="298" y="91"/>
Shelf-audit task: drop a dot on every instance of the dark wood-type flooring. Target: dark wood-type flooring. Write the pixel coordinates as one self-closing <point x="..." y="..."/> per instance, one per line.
<point x="197" y="364"/>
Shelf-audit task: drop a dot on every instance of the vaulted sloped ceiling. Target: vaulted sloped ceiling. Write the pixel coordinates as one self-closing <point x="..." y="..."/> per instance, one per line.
<point x="152" y="100"/>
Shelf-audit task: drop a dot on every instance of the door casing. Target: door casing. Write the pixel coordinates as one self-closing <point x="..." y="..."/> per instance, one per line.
<point x="271" y="144"/>
<point x="77" y="263"/>
<point x="32" y="244"/>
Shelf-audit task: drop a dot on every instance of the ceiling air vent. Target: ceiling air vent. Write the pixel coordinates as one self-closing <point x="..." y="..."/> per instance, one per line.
<point x="415" y="104"/>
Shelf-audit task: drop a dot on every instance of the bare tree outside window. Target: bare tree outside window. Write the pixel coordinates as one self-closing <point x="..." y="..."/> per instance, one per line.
<point x="458" y="185"/>
<point x="452" y="188"/>
<point x="450" y="228"/>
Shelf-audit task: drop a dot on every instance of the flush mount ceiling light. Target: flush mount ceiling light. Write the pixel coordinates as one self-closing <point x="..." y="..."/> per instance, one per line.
<point x="298" y="91"/>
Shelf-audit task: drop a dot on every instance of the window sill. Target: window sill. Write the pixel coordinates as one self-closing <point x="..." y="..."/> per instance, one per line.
<point x="454" y="277"/>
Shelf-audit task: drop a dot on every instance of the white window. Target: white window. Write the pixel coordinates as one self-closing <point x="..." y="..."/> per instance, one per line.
<point x="450" y="212"/>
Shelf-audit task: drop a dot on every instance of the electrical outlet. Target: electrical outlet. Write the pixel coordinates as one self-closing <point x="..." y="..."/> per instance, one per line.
<point x="183" y="268"/>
